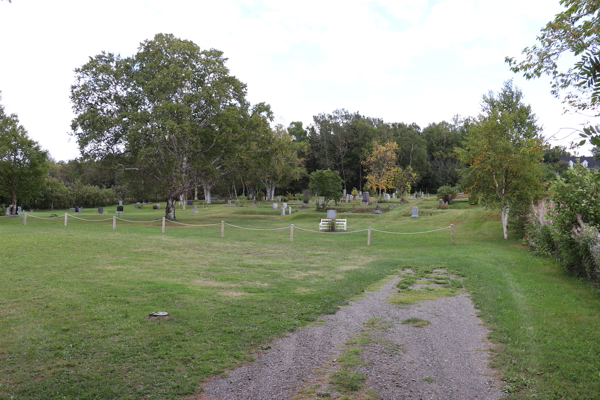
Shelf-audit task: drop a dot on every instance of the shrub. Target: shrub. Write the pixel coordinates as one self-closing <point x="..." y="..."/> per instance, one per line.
<point x="448" y="193"/>
<point x="2" y="210"/>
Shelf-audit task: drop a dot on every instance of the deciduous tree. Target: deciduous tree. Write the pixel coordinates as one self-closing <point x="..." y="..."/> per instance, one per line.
<point x="157" y="112"/>
<point x="381" y="166"/>
<point x="23" y="164"/>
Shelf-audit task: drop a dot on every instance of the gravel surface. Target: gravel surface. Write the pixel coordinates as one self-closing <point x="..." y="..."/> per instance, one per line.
<point x="447" y="359"/>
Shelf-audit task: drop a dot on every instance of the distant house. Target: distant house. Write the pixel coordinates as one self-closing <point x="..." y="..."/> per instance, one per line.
<point x="587" y="162"/>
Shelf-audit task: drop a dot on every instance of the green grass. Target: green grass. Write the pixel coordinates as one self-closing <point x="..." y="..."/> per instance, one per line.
<point x="75" y="300"/>
<point x="417" y="322"/>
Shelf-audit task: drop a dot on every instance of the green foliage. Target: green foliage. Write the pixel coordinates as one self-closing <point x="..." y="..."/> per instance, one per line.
<point x="447" y="193"/>
<point x="326" y="183"/>
<point x="23" y="164"/>
<point x="503" y="152"/>
<point x="345" y="380"/>
<point x="577" y="205"/>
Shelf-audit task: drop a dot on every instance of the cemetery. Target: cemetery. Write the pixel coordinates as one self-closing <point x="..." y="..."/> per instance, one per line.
<point x="255" y="262"/>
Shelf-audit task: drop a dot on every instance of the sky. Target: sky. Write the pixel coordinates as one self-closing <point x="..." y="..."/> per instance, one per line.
<point x="420" y="61"/>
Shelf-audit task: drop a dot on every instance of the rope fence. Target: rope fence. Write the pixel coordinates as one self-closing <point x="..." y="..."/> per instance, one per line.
<point x="222" y="224"/>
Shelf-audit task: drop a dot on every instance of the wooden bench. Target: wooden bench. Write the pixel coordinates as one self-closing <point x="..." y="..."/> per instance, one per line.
<point x="340" y="224"/>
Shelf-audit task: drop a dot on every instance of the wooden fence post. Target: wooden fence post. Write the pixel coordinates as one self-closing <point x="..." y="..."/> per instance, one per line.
<point x="163" y="225"/>
<point x="24" y="218"/>
<point x="66" y="219"/>
<point x="114" y="222"/>
<point x="222" y="228"/>
<point x="369" y="237"/>
<point x="291" y="232"/>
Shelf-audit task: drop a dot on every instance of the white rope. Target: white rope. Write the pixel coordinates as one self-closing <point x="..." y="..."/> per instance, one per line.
<point x="33" y="216"/>
<point x="127" y="220"/>
<point x="310" y="230"/>
<point x="411" y="233"/>
<point x="90" y="220"/>
<point x="181" y="223"/>
<point x="257" y="229"/>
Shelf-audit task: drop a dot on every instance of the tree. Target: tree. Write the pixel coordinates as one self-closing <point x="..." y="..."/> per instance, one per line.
<point x="502" y="152"/>
<point x="326" y="183"/>
<point x="404" y="178"/>
<point x="575" y="31"/>
<point x="157" y="113"/>
<point x="23" y="164"/>
<point x="381" y="166"/>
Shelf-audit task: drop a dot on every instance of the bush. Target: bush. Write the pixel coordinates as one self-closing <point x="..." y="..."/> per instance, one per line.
<point x="2" y="210"/>
<point x="448" y="193"/>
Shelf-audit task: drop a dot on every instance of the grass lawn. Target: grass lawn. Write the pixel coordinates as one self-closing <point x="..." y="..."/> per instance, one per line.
<point x="74" y="301"/>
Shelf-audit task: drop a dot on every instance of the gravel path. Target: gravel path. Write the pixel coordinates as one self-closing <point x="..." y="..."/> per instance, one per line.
<point x="445" y="360"/>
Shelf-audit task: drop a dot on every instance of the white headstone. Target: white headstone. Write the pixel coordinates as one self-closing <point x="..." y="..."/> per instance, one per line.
<point x="274" y="205"/>
<point x="228" y="203"/>
<point x="284" y="205"/>
<point x="332" y="214"/>
<point x="416" y="213"/>
<point x="195" y="210"/>
<point x="290" y="210"/>
<point x="282" y="213"/>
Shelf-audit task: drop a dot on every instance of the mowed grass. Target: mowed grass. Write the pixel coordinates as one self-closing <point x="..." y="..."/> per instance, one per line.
<point x="75" y="301"/>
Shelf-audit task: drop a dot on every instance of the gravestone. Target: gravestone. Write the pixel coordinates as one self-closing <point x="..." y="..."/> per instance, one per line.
<point x="282" y="212"/>
<point x="100" y="210"/>
<point x="120" y="209"/>
<point x="274" y="205"/>
<point x="305" y="206"/>
<point x="416" y="213"/>
<point x="290" y="210"/>
<point x="331" y="214"/>
<point x="195" y="209"/>
<point x="190" y="202"/>
<point x="386" y="197"/>
<point x="441" y="202"/>
<point x="253" y="201"/>
<point x="284" y="205"/>
<point x="76" y="210"/>
<point x="366" y="197"/>
<point x="344" y="192"/>
<point x="228" y="203"/>
<point x="158" y="206"/>
<point x="120" y="202"/>
<point x="377" y="210"/>
<point x="237" y="204"/>
<point x="393" y="195"/>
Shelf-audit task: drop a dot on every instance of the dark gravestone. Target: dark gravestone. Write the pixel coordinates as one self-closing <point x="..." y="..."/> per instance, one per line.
<point x="190" y="202"/>
<point x="377" y="210"/>
<point x="120" y="209"/>
<point x="76" y="210"/>
<point x="366" y="197"/>
<point x="100" y="210"/>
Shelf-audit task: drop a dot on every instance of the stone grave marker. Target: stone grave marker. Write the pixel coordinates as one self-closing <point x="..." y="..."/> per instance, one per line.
<point x="195" y="209"/>
<point x="228" y="203"/>
<point x="120" y="209"/>
<point x="304" y="206"/>
<point x="100" y="210"/>
<point x="190" y="202"/>
<point x="284" y="205"/>
<point x="282" y="212"/>
<point x="366" y="197"/>
<point x="290" y="210"/>
<point x="441" y="202"/>
<point x="274" y="205"/>
<point x="332" y="214"/>
<point x="76" y="210"/>
<point x="416" y="213"/>
<point x="377" y="210"/>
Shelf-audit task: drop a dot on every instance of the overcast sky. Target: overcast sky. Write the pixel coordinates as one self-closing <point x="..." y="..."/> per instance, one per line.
<point x="406" y="61"/>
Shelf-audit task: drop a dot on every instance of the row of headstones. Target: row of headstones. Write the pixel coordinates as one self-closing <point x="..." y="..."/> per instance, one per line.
<point x="9" y="210"/>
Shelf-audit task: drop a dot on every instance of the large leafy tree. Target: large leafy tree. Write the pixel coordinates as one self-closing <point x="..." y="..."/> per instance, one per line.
<point x="159" y="112"/>
<point x="381" y="166"/>
<point x="502" y="152"/>
<point x="326" y="183"/>
<point x="576" y="32"/>
<point x="23" y="164"/>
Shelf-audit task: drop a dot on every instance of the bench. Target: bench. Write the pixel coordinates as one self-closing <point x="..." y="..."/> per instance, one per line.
<point x="340" y="224"/>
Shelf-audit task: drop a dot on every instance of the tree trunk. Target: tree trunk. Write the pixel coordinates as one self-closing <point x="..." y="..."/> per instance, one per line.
<point x="14" y="202"/>
<point x="182" y="199"/>
<point x="206" y="188"/>
<point x="170" y="210"/>
<point x="196" y="193"/>
<point x="504" y="219"/>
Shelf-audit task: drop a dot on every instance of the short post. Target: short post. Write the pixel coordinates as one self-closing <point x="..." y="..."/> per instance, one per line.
<point x="222" y="228"/>
<point x="24" y="218"/>
<point x="66" y="219"/>
<point x="163" y="225"/>
<point x="453" y="228"/>
<point x="291" y="232"/>
<point x="114" y="222"/>
<point x="369" y="237"/>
